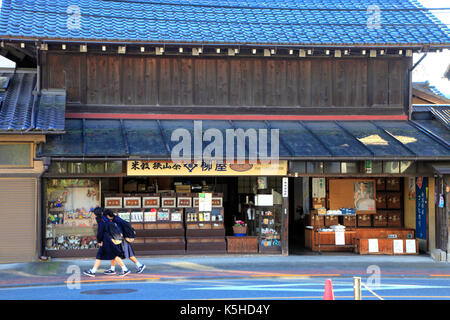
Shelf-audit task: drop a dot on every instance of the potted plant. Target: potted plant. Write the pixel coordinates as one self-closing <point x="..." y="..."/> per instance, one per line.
<point x="240" y="228"/>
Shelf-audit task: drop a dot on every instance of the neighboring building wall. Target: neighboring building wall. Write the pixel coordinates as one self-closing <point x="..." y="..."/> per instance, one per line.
<point x="19" y="210"/>
<point x="18" y="219"/>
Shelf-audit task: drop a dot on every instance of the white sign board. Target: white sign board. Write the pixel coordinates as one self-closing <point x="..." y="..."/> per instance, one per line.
<point x="264" y="200"/>
<point x="373" y="245"/>
<point x="398" y="246"/>
<point x="339" y="237"/>
<point x="318" y="187"/>
<point x="411" y="246"/>
<point x="205" y="202"/>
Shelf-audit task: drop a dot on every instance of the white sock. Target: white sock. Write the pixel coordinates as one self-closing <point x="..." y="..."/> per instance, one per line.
<point x="138" y="264"/>
<point x="94" y="270"/>
<point x="113" y="268"/>
<point x="124" y="268"/>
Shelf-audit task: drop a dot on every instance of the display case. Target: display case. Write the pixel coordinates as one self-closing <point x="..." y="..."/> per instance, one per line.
<point x="164" y="222"/>
<point x="204" y="224"/>
<point x="389" y="204"/>
<point x="321" y="237"/>
<point x="205" y="231"/>
<point x="162" y="232"/>
<point x="269" y="228"/>
<point x="158" y="230"/>
<point x="71" y="228"/>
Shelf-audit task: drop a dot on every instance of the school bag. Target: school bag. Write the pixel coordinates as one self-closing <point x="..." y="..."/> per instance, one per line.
<point x="114" y="233"/>
<point x="128" y="231"/>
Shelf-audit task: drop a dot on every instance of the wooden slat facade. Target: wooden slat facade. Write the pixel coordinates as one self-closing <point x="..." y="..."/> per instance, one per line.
<point x="18" y="214"/>
<point x="132" y="80"/>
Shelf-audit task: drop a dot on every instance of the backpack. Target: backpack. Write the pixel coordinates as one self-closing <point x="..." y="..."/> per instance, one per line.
<point x="114" y="232"/>
<point x="128" y="231"/>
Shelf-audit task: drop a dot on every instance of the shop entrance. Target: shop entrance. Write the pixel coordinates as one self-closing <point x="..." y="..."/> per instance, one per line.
<point x="298" y="208"/>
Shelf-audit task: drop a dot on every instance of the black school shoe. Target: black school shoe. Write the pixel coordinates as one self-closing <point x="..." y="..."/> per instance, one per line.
<point x="140" y="269"/>
<point x="89" y="273"/>
<point x="109" y="272"/>
<point x="124" y="273"/>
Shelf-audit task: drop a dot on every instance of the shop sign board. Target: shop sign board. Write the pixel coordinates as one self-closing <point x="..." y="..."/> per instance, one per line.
<point x="205" y="201"/>
<point x="264" y="200"/>
<point x="285" y="187"/>
<point x="421" y="207"/>
<point x="169" y="168"/>
<point x="318" y="186"/>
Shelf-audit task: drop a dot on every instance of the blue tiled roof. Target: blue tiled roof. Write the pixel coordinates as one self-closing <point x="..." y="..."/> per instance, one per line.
<point x="21" y="110"/>
<point x="295" y="22"/>
<point x="299" y="139"/>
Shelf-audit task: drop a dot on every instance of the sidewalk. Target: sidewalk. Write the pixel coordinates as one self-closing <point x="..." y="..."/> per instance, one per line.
<point x="163" y="268"/>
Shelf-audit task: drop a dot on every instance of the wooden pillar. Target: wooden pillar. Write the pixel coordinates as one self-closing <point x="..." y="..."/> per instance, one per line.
<point x="446" y="215"/>
<point x="285" y="218"/>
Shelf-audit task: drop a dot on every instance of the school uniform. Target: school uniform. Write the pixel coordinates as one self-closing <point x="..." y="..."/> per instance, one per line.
<point x="127" y="249"/>
<point x="108" y="250"/>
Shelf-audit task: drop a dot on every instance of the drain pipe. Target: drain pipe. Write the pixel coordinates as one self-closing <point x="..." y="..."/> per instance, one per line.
<point x="41" y="213"/>
<point x="410" y="70"/>
<point x="38" y="67"/>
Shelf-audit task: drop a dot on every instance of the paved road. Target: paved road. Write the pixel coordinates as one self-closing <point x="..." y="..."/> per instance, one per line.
<point x="234" y="278"/>
<point x="235" y="289"/>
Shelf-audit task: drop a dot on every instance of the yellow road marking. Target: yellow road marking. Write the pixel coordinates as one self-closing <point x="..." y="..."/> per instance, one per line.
<point x="192" y="266"/>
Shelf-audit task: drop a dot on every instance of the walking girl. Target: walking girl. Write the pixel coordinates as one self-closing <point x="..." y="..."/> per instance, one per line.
<point x="127" y="250"/>
<point x="108" y="250"/>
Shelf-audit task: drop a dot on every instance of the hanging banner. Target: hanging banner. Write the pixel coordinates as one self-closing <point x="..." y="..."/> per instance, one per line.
<point x="421" y="207"/>
<point x="168" y="168"/>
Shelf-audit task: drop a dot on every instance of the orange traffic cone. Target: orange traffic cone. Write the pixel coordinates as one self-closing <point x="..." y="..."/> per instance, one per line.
<point x="328" y="294"/>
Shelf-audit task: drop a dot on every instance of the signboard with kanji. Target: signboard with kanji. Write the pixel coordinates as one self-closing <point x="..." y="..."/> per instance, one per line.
<point x="168" y="168"/>
<point x="421" y="207"/>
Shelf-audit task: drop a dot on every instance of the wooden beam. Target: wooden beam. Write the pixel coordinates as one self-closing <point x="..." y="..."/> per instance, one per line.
<point x="230" y="117"/>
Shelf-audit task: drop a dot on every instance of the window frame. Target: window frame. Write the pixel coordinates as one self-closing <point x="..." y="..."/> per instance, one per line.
<point x="27" y="166"/>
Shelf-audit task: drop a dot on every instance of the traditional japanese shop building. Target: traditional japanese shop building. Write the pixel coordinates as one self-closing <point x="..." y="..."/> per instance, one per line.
<point x="335" y="93"/>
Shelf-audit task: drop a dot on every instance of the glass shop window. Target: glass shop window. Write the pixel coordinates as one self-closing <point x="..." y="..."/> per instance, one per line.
<point x="16" y="155"/>
<point x="377" y="167"/>
<point x="332" y="167"/>
<point x="70" y="221"/>
<point x="77" y="167"/>
<point x="391" y="167"/>
<point x="349" y="167"/>
<point x="113" y="167"/>
<point x="58" y="167"/>
<point x="407" y="167"/>
<point x="95" y="167"/>
<point x="314" y="167"/>
<point x="297" y="166"/>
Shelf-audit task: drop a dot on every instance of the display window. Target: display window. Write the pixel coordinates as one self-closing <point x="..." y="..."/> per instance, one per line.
<point x="170" y="215"/>
<point x="70" y="220"/>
